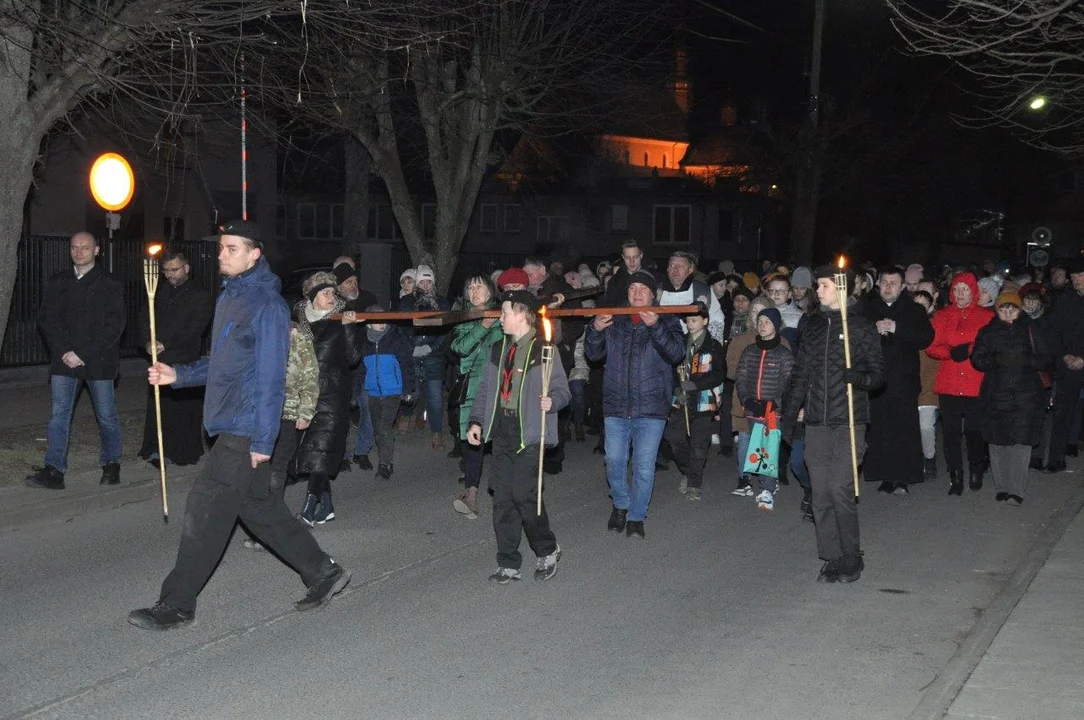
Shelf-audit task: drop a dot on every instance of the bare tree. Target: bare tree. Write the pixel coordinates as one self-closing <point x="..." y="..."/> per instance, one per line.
<point x="1018" y="51"/>
<point x="428" y="103"/>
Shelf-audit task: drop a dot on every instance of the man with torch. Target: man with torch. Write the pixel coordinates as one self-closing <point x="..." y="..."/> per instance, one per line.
<point x="839" y="361"/>
<point x="521" y="390"/>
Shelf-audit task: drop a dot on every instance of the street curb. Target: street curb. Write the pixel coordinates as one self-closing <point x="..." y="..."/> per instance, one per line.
<point x="941" y="693"/>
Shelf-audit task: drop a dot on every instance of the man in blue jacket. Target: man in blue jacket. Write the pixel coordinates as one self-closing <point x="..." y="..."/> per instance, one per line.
<point x="637" y="389"/>
<point x="245" y="375"/>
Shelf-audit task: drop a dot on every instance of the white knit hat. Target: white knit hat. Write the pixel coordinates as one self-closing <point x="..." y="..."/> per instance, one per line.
<point x="426" y="273"/>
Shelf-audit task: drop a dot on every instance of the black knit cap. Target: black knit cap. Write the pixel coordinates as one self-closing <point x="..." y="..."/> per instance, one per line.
<point x="242" y="228"/>
<point x="830" y="272"/>
<point x="343" y="272"/>
<point x="644" y="278"/>
<point x="522" y="297"/>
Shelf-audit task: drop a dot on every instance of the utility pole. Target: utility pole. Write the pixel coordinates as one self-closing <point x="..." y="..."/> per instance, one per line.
<point x="811" y="161"/>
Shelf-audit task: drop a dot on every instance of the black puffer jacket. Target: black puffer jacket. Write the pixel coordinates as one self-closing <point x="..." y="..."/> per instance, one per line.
<point x="1012" y="399"/>
<point x="817" y="383"/>
<point x="338" y="349"/>
<point x="1066" y="330"/>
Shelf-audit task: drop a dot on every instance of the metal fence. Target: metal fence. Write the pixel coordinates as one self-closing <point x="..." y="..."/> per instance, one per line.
<point x="40" y="256"/>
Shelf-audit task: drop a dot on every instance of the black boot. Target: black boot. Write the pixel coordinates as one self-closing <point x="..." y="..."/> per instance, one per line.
<point x="110" y="474"/>
<point x="850" y="568"/>
<point x="956" y="482"/>
<point x="974" y="481"/>
<point x="617" y="520"/>
<point x="929" y="468"/>
<point x="807" y="505"/>
<point x="48" y="478"/>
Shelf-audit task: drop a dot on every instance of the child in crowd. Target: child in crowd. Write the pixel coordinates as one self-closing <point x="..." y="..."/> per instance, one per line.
<point x="388" y="365"/>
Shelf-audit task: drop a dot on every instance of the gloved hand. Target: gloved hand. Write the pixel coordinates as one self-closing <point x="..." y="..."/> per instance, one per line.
<point x="422" y="350"/>
<point x="688" y="386"/>
<point x="407" y="400"/>
<point x="959" y="353"/>
<point x="755" y="408"/>
<point x="854" y="376"/>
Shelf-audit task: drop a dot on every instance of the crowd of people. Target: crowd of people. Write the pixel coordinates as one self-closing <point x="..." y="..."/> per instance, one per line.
<point x="778" y="368"/>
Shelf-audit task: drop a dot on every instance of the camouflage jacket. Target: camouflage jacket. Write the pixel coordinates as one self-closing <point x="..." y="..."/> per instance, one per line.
<point x="302" y="377"/>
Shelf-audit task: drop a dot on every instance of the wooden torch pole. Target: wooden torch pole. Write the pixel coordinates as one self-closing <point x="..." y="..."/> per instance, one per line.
<point x="150" y="281"/>
<point x="843" y="292"/>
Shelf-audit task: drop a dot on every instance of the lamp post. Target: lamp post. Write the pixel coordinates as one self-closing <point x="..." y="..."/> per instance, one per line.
<point x="112" y="185"/>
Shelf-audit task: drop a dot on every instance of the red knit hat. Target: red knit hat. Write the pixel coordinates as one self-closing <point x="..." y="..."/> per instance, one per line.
<point x="513" y="276"/>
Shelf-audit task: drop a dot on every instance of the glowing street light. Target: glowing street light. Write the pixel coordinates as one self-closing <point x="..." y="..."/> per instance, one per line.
<point x="1037" y="103"/>
<point x="112" y="182"/>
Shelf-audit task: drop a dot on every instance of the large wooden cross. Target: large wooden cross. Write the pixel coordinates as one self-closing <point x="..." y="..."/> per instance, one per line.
<point x="436" y="318"/>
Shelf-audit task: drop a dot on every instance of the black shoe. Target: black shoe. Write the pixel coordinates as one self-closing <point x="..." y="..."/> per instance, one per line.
<point x="384" y="472"/>
<point x="929" y="468"/>
<point x="161" y="617"/>
<point x="328" y="586"/>
<point x="1014" y="500"/>
<point x="617" y="520"/>
<point x="345" y="466"/>
<point x="635" y="528"/>
<point x="661" y="465"/>
<point x="1001" y="497"/>
<point x="1055" y="467"/>
<point x="956" y="482"/>
<point x="726" y="450"/>
<point x="828" y="573"/>
<point x="850" y="569"/>
<point x="552" y="467"/>
<point x="362" y="461"/>
<point x="456" y="451"/>
<point x="110" y="474"/>
<point x="599" y="450"/>
<point x="1071" y="450"/>
<point x="886" y="487"/>
<point x="48" y="478"/>
<point x="901" y="489"/>
<point x="155" y="463"/>
<point x="806" y="505"/>
<point x="974" y="481"/>
<point x="1037" y="464"/>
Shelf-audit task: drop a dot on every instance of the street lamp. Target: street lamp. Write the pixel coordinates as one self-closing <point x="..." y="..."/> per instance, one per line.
<point x="112" y="185"/>
<point x="1037" y="103"/>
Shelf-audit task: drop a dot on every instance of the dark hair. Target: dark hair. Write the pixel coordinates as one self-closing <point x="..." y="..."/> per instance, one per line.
<point x="629" y="245"/>
<point x="528" y="312"/>
<point x="484" y="280"/>
<point x="171" y="255"/>
<point x="925" y="295"/>
<point x="777" y="277"/>
<point x="892" y="270"/>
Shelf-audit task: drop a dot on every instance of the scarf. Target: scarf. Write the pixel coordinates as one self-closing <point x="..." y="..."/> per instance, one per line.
<point x="375" y="335"/>
<point x="769" y="344"/>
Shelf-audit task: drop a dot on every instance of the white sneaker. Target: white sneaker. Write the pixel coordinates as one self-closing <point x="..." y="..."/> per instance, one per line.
<point x="765" y="501"/>
<point x="683" y="486"/>
<point x="743" y="491"/>
<point x="547" y="565"/>
<point x="715" y="438"/>
<point x="503" y="576"/>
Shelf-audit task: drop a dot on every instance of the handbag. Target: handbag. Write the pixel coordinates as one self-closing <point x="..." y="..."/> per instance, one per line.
<point x="765" y="438"/>
<point x="1044" y="375"/>
<point x="458" y="394"/>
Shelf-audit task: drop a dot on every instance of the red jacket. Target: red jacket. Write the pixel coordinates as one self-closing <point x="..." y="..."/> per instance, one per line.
<point x="954" y="326"/>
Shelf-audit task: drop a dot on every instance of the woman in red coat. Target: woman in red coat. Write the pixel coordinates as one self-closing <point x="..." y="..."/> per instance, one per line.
<point x="957" y="383"/>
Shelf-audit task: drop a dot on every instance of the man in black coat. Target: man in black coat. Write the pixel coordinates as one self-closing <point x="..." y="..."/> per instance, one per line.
<point x="82" y="318"/>
<point x="894" y="457"/>
<point x="182" y="311"/>
<point x="1067" y="346"/>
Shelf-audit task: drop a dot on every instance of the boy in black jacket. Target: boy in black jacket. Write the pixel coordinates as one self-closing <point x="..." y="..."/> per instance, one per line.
<point x="703" y="370"/>
<point x="818" y="387"/>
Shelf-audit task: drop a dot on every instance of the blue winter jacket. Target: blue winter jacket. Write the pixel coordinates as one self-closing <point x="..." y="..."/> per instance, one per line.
<point x="638" y="380"/>
<point x="387" y="364"/>
<point x="245" y="373"/>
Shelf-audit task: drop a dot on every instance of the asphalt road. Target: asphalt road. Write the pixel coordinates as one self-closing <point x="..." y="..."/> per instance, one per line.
<point x="715" y="615"/>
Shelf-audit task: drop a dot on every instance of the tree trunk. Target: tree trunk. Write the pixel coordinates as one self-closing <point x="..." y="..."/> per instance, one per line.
<point x="356" y="214"/>
<point x="19" y="148"/>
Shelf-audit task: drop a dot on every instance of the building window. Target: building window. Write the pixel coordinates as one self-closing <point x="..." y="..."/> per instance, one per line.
<point x="429" y="220"/>
<point x="619" y="218"/>
<point x="548" y="228"/>
<point x="664" y="161"/>
<point x="645" y="160"/>
<point x="672" y="224"/>
<point x="382" y="225"/>
<point x="597" y="218"/>
<point x="280" y="220"/>
<point x="487" y="220"/>
<point x="511" y="218"/>
<point x="319" y="221"/>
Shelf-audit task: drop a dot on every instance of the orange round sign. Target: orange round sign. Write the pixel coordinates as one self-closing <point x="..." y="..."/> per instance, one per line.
<point x="111" y="182"/>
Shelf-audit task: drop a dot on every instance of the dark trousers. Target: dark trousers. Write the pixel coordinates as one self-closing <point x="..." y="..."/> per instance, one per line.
<point x="472" y="464"/>
<point x="726" y="420"/>
<point x="382" y="411"/>
<point x="1066" y="409"/>
<point x="960" y="418"/>
<point x="228" y="489"/>
<point x="690" y="453"/>
<point x="514" y="480"/>
<point x="828" y="457"/>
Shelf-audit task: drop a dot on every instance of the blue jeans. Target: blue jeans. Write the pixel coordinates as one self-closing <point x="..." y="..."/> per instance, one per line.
<point x="797" y="462"/>
<point x="645" y="435"/>
<point x="363" y="441"/>
<point x="434" y="403"/>
<point x="578" y="388"/>
<point x="64" y="391"/>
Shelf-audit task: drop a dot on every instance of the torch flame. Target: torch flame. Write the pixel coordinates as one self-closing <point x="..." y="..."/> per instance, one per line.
<point x="547" y="326"/>
<point x="842" y="262"/>
<point x="153" y="250"/>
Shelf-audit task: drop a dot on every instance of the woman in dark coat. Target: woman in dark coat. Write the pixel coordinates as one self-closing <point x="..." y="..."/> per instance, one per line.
<point x="337" y="351"/>
<point x="1011" y="352"/>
